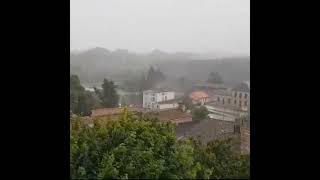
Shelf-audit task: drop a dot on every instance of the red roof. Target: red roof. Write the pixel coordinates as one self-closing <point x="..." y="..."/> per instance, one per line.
<point x="196" y="95"/>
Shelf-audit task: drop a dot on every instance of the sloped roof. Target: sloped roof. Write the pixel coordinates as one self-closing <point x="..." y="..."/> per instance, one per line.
<point x="174" y="115"/>
<point x="196" y="95"/>
<point x="157" y="90"/>
<point x="113" y="111"/>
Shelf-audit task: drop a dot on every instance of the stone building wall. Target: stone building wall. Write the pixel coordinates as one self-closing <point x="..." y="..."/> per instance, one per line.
<point x="245" y="141"/>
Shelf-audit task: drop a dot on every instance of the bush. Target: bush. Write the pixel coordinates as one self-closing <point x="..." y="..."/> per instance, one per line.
<point x="199" y="113"/>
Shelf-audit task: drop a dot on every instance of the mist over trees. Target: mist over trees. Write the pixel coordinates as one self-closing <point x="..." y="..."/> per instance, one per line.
<point x="215" y="78"/>
<point x="154" y="77"/>
<point x="95" y="64"/>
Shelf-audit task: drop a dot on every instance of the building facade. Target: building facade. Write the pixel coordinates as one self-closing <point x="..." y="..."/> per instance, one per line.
<point x="237" y="97"/>
<point x="241" y="96"/>
<point x="159" y="99"/>
<point x="242" y="129"/>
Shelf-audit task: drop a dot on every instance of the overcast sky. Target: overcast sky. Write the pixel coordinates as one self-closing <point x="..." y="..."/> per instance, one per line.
<point x="168" y="25"/>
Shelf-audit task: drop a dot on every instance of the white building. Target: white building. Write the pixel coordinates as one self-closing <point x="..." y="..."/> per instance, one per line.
<point x="159" y="99"/>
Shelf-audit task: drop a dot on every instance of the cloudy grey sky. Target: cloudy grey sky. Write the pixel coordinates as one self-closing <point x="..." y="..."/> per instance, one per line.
<point x="168" y="25"/>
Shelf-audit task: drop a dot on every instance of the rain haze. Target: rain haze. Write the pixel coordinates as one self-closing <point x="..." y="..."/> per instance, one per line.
<point x="199" y="26"/>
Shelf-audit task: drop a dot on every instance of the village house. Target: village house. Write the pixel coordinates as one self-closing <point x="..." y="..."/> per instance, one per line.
<point x="199" y="97"/>
<point x="241" y="95"/>
<point x="223" y="97"/>
<point x="235" y="98"/>
<point x="159" y="99"/>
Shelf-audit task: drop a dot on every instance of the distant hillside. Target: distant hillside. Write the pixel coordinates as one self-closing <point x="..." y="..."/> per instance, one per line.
<point x="232" y="70"/>
<point x="95" y="64"/>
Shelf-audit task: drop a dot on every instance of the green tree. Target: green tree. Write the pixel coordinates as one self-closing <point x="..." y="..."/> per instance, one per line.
<point x="109" y="95"/>
<point x="153" y="78"/>
<point x="219" y="161"/>
<point x="81" y="101"/>
<point x="199" y="113"/>
<point x="75" y="83"/>
<point x="139" y="147"/>
<point x="214" y="77"/>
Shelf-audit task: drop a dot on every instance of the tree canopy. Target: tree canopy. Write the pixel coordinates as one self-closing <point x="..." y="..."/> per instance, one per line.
<point x="109" y="95"/>
<point x="153" y="78"/>
<point x="138" y="147"/>
<point x="199" y="113"/>
<point x="81" y="101"/>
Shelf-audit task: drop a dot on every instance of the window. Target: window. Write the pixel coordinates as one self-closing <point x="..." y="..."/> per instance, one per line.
<point x="240" y="95"/>
<point x="245" y="103"/>
<point x="153" y="99"/>
<point x="165" y="98"/>
<point x="235" y="102"/>
<point x="240" y="103"/>
<point x="218" y="99"/>
<point x="222" y="100"/>
<point x="245" y="96"/>
<point x="229" y="101"/>
<point x="235" y="94"/>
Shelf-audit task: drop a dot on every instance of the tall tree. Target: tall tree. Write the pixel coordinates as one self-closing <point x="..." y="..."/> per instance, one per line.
<point x="75" y="83"/>
<point x="81" y="101"/>
<point x="153" y="78"/>
<point x="214" y="77"/>
<point x="109" y="95"/>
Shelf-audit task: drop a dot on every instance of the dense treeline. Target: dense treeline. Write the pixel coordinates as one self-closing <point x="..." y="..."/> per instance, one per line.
<point x="137" y="147"/>
<point x="141" y="82"/>
<point x="95" y="64"/>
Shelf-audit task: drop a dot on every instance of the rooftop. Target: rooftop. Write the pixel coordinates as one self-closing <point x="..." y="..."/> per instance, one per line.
<point x="207" y="129"/>
<point x="244" y="87"/>
<point x="113" y="111"/>
<point x="157" y="90"/>
<point x="173" y="115"/>
<point x="196" y="95"/>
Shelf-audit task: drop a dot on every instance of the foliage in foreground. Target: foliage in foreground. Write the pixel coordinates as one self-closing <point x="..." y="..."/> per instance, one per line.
<point x="135" y="147"/>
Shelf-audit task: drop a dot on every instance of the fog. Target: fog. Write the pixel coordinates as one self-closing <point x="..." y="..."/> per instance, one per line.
<point x="199" y="26"/>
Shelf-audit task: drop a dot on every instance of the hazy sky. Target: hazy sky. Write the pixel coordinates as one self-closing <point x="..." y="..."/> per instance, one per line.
<point x="168" y="25"/>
